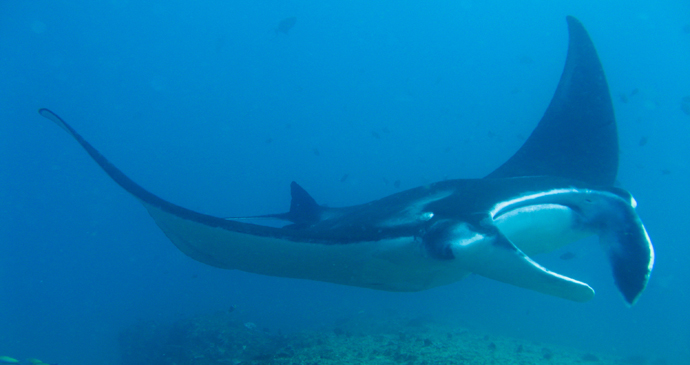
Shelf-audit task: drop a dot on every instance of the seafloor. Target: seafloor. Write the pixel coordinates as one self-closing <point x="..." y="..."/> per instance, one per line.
<point x="225" y="338"/>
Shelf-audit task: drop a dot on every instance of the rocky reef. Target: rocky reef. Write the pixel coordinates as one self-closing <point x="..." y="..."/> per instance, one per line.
<point x="226" y="338"/>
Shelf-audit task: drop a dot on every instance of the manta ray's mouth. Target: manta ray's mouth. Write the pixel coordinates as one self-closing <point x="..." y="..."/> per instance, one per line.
<point x="540" y="228"/>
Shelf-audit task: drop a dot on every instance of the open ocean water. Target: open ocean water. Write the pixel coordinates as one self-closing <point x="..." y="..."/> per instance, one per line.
<point x="218" y="106"/>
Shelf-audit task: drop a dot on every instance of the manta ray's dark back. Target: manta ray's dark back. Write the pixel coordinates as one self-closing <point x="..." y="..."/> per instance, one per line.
<point x="577" y="137"/>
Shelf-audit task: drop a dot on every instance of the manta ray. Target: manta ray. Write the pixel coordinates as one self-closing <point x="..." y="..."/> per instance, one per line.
<point x="556" y="189"/>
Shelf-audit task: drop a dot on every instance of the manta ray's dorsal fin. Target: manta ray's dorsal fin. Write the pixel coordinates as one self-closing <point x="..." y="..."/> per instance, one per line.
<point x="576" y="138"/>
<point x="304" y="210"/>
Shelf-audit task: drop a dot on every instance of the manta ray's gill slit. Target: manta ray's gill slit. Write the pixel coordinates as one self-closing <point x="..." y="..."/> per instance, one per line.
<point x="507" y="205"/>
<point x="569" y="197"/>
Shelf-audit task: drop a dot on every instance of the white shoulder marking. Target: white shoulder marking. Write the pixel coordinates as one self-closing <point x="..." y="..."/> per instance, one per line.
<point x="415" y="212"/>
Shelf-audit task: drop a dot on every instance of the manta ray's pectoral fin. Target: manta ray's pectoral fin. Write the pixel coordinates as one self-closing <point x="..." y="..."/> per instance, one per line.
<point x="208" y="239"/>
<point x="576" y="137"/>
<point x="487" y="252"/>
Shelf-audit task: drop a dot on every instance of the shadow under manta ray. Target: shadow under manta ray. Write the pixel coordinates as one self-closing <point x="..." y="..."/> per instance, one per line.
<point x="556" y="189"/>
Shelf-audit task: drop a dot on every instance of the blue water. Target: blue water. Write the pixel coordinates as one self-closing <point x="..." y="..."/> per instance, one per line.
<point x="204" y="104"/>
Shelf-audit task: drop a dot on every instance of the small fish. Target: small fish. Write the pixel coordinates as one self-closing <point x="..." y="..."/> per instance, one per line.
<point x="686" y="29"/>
<point x="526" y="60"/>
<point x="316" y="152"/>
<point x="666" y="172"/>
<point x="8" y="360"/>
<point x="589" y="358"/>
<point x="36" y="362"/>
<point x="643" y="141"/>
<point x="375" y="135"/>
<point x="567" y="256"/>
<point x="344" y="178"/>
<point x="231" y="308"/>
<point x="396" y="183"/>
<point x="634" y="92"/>
<point x="624" y="98"/>
<point x="286" y="24"/>
<point x="221" y="41"/>
<point x="547" y="353"/>
<point x="685" y="107"/>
